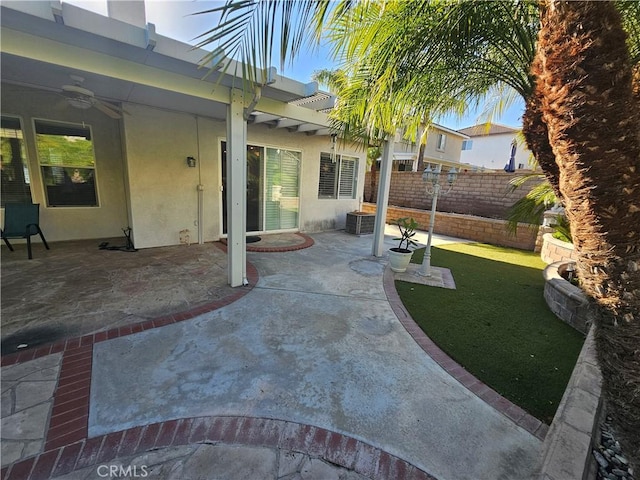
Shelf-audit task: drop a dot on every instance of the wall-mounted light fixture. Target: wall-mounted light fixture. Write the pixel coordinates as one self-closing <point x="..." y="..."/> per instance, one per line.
<point x="191" y="162"/>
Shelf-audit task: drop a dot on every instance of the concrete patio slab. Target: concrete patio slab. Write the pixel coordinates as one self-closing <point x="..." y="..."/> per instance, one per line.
<point x="315" y="342"/>
<point x="440" y="277"/>
<point x="75" y="288"/>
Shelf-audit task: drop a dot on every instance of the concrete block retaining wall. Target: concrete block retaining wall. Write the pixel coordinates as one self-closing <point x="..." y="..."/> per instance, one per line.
<point x="564" y="299"/>
<point x="567" y="448"/>
<point x="487" y="230"/>
<point x="554" y="250"/>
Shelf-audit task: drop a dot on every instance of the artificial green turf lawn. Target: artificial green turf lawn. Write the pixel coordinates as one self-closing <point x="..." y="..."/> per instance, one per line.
<point x="496" y="323"/>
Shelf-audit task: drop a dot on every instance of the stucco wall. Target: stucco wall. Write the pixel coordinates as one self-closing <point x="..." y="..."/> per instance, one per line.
<point x="316" y="214"/>
<point x="451" y="151"/>
<point x="163" y="190"/>
<point x="65" y="223"/>
<point x="143" y="179"/>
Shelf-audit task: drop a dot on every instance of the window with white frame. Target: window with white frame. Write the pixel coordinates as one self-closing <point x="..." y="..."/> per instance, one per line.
<point x="467" y="144"/>
<point x="441" y="142"/>
<point x="67" y="161"/>
<point x="338" y="176"/>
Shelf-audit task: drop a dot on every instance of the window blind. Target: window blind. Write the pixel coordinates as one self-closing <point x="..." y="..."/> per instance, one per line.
<point x="348" y="175"/>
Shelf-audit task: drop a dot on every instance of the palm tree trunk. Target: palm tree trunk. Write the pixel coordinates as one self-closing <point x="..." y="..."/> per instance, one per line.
<point x="374" y="186"/>
<point x="420" y="166"/>
<point x="636" y="86"/>
<point x="537" y="136"/>
<point x="536" y="133"/>
<point x="585" y="90"/>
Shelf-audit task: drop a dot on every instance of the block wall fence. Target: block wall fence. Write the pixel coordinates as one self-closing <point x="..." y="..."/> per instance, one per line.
<point x="487" y="230"/>
<point x="485" y="194"/>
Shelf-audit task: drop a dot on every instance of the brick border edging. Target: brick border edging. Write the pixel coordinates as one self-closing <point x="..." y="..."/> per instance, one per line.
<point x="90" y="339"/>
<point x="334" y="447"/>
<point x="457" y="371"/>
<point x="308" y="242"/>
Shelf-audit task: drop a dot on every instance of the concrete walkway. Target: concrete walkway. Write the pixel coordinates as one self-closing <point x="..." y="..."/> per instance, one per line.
<point x="313" y="362"/>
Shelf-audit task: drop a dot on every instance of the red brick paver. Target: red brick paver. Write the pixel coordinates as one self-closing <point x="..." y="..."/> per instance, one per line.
<point x="308" y="242"/>
<point x="333" y="447"/>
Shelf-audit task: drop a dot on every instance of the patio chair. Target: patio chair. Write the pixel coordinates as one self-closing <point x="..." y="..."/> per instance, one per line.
<point x="21" y="221"/>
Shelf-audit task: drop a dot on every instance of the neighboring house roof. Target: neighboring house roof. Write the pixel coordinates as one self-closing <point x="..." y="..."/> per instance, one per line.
<point x="481" y="130"/>
<point x="457" y="133"/>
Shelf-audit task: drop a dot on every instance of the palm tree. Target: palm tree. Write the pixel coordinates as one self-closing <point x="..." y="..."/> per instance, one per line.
<point x="584" y="89"/>
<point x="336" y="81"/>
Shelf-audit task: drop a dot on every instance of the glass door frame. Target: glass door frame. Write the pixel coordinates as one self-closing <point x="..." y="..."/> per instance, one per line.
<point x="263" y="181"/>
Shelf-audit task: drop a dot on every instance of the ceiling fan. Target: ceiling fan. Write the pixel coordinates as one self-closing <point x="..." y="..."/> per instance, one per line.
<point x="79" y="97"/>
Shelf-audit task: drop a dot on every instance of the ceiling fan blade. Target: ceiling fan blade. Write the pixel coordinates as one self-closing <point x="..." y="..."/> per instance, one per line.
<point x="107" y="109"/>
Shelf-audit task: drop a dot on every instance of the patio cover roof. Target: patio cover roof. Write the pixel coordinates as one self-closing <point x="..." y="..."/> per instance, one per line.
<point x="43" y="43"/>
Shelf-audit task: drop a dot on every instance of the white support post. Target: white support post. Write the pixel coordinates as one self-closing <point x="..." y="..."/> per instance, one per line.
<point x="236" y="190"/>
<point x="377" y="249"/>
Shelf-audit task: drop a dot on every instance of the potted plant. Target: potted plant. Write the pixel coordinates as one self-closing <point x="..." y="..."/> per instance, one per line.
<point x="400" y="256"/>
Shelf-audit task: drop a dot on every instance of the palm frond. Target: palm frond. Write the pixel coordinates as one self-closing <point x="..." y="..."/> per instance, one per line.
<point x="530" y="208"/>
<point x="253" y="31"/>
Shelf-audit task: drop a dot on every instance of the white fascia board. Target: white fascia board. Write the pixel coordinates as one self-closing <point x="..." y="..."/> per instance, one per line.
<point x="37" y="9"/>
<point x="29" y="46"/>
<point x="404" y="155"/>
<point x="289" y="85"/>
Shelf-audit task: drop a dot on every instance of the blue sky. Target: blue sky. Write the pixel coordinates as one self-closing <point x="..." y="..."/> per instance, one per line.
<point x="173" y="18"/>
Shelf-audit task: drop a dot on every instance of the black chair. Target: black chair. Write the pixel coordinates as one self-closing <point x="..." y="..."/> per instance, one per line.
<point x="21" y="221"/>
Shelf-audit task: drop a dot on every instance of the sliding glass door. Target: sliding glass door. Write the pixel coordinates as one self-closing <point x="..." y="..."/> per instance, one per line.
<point x="273" y="189"/>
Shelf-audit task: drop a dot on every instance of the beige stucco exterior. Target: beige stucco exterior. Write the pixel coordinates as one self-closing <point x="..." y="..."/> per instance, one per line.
<point x="143" y="180"/>
<point x="164" y="190"/>
<point x="405" y="150"/>
<point x="451" y="151"/>
<point x="67" y="223"/>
